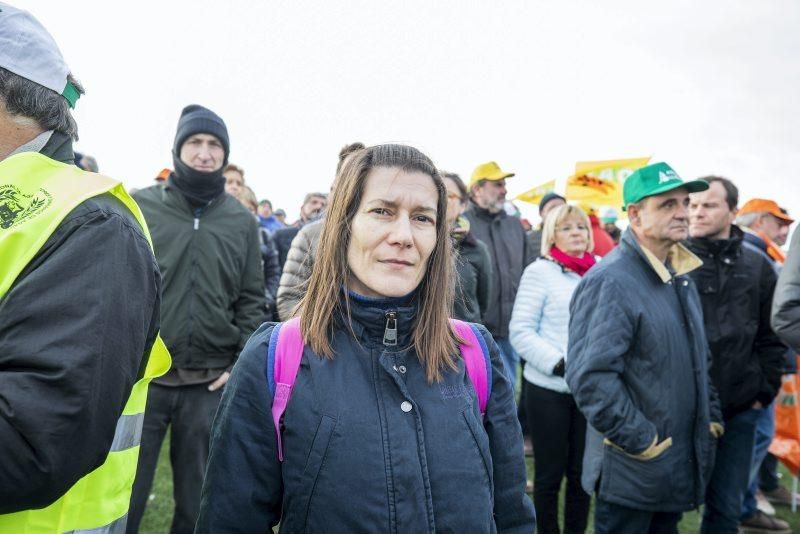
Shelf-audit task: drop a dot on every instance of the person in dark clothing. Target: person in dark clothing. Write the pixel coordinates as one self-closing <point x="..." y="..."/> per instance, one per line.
<point x="637" y="365"/>
<point x="735" y="286"/>
<point x="383" y="432"/>
<point x="508" y="248"/>
<point x="473" y="263"/>
<point x="269" y="252"/>
<point x="79" y="302"/>
<point x="549" y="202"/>
<point x="207" y="246"/>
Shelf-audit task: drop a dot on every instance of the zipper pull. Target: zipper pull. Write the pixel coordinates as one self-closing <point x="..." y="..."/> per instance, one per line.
<point x="196" y="223"/>
<point x="390" y="334"/>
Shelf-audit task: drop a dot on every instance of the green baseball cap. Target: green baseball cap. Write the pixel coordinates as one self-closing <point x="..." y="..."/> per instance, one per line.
<point x="656" y="179"/>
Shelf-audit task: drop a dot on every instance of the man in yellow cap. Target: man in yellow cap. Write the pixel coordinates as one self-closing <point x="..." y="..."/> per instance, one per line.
<point x="508" y="246"/>
<point x="79" y="306"/>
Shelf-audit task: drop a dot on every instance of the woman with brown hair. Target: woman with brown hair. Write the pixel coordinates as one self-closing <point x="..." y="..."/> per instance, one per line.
<point x="383" y="432"/>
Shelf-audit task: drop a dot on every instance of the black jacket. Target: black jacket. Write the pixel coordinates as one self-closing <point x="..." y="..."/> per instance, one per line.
<point x="213" y="277"/>
<point x="283" y="242"/>
<point x="75" y="329"/>
<point x="272" y="269"/>
<point x="510" y="253"/>
<point x="736" y="287"/>
<point x="474" y="284"/>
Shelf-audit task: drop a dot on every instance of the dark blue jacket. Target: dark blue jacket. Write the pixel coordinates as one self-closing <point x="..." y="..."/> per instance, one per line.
<point x="369" y="444"/>
<point x="637" y="366"/>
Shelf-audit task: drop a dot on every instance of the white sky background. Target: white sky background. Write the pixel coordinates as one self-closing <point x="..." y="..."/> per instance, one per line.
<point x="709" y="87"/>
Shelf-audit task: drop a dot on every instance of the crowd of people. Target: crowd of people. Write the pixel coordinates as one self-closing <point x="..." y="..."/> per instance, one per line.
<point x="357" y="370"/>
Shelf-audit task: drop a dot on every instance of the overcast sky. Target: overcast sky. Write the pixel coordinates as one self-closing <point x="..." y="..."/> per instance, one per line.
<point x="709" y="87"/>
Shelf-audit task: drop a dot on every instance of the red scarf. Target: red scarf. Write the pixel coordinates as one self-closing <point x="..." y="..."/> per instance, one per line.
<point x="577" y="265"/>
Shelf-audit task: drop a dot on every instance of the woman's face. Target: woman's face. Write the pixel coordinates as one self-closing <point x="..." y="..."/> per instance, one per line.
<point x="454" y="205"/>
<point x="233" y="182"/>
<point x="393" y="233"/>
<point x="572" y="236"/>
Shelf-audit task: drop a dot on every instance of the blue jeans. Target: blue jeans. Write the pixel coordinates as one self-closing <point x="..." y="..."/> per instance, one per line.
<point x="610" y="518"/>
<point x="510" y="358"/>
<point x="731" y="475"/>
<point x="765" y="430"/>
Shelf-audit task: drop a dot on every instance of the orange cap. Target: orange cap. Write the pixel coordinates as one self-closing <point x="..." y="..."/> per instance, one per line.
<point x="762" y="205"/>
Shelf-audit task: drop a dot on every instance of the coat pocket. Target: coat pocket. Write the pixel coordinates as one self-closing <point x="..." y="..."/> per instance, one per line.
<point x="316" y="459"/>
<point x="644" y="482"/>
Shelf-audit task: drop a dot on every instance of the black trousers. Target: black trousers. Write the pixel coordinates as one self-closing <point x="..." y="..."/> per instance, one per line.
<point x="558" y="432"/>
<point x="190" y="411"/>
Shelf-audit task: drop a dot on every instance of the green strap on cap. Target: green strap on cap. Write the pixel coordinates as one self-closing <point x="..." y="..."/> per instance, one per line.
<point x="71" y="93"/>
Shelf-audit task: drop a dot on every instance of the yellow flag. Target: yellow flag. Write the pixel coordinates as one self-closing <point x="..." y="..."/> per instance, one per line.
<point x="534" y="196"/>
<point x="599" y="183"/>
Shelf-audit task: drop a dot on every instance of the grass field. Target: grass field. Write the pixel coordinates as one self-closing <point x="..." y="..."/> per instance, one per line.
<point x="158" y="515"/>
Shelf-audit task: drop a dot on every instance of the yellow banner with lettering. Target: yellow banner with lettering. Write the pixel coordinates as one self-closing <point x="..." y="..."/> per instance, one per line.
<point x="599" y="183"/>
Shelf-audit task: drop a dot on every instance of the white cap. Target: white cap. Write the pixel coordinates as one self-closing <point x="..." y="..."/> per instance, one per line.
<point x="28" y="50"/>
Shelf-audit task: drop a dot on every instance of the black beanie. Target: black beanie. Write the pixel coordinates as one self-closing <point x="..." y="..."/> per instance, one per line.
<point x="552" y="195"/>
<point x="196" y="119"/>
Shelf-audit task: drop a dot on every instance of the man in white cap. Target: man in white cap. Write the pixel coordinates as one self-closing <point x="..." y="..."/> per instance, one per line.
<point x="79" y="306"/>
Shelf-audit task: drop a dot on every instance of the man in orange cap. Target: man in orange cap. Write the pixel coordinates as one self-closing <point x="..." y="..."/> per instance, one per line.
<point x="767" y="226"/>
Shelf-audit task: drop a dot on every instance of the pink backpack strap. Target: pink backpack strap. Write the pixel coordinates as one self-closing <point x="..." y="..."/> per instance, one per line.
<point x="475" y="354"/>
<point x="283" y="360"/>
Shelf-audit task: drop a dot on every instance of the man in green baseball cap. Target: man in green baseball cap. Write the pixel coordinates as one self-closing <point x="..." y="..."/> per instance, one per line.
<point x="656" y="200"/>
<point x="637" y="365"/>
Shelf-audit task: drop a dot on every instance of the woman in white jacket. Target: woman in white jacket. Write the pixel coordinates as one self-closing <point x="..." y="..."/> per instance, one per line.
<point x="538" y="332"/>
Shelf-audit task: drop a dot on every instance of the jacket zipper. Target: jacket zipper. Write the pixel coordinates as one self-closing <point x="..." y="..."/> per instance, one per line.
<point x="390" y="333"/>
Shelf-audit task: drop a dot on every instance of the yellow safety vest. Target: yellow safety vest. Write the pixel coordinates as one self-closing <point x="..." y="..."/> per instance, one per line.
<point x="36" y="194"/>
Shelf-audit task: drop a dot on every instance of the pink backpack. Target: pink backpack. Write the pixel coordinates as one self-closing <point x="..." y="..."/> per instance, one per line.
<point x="286" y="350"/>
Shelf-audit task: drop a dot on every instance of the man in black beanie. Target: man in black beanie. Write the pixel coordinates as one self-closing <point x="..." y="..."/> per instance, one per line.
<point x="207" y="247"/>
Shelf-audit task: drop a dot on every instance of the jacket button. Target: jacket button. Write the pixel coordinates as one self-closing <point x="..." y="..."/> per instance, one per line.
<point x="406" y="406"/>
<point x="401" y="369"/>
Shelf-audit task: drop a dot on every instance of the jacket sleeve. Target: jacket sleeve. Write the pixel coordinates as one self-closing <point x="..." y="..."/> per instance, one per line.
<point x="243" y="488"/>
<point x="768" y="347"/>
<point x="250" y="306"/>
<point x="485" y="284"/>
<point x="296" y="273"/>
<point x="786" y="303"/>
<point x="525" y="321"/>
<point x="714" y="406"/>
<point x="601" y="332"/>
<point x="513" y="509"/>
<point x="74" y="330"/>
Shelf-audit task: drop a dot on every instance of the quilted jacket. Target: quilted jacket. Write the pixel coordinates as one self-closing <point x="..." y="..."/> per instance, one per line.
<point x="637" y="367"/>
<point x="369" y="444"/>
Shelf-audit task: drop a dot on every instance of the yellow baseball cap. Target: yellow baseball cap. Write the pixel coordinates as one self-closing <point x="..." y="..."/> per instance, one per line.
<point x="488" y="171"/>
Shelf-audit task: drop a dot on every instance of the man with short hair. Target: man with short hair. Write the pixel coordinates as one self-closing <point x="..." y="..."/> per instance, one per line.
<point x="267" y="219"/>
<point x="79" y="306"/>
<point x="207" y="246"/>
<point x="508" y="247"/>
<point x="637" y="365"/>
<point x="312" y="210"/>
<point x="736" y="286"/>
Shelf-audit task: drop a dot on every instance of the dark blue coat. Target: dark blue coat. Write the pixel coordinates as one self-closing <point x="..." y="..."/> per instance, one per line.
<point x="369" y="444"/>
<point x="637" y="366"/>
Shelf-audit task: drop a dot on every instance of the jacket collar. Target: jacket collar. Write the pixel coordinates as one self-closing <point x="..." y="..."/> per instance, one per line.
<point x="370" y="317"/>
<point x="680" y="259"/>
<point x="726" y="248"/>
<point x="54" y="145"/>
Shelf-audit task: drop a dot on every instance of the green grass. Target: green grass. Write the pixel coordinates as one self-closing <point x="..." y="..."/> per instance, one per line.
<point x="158" y="515"/>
